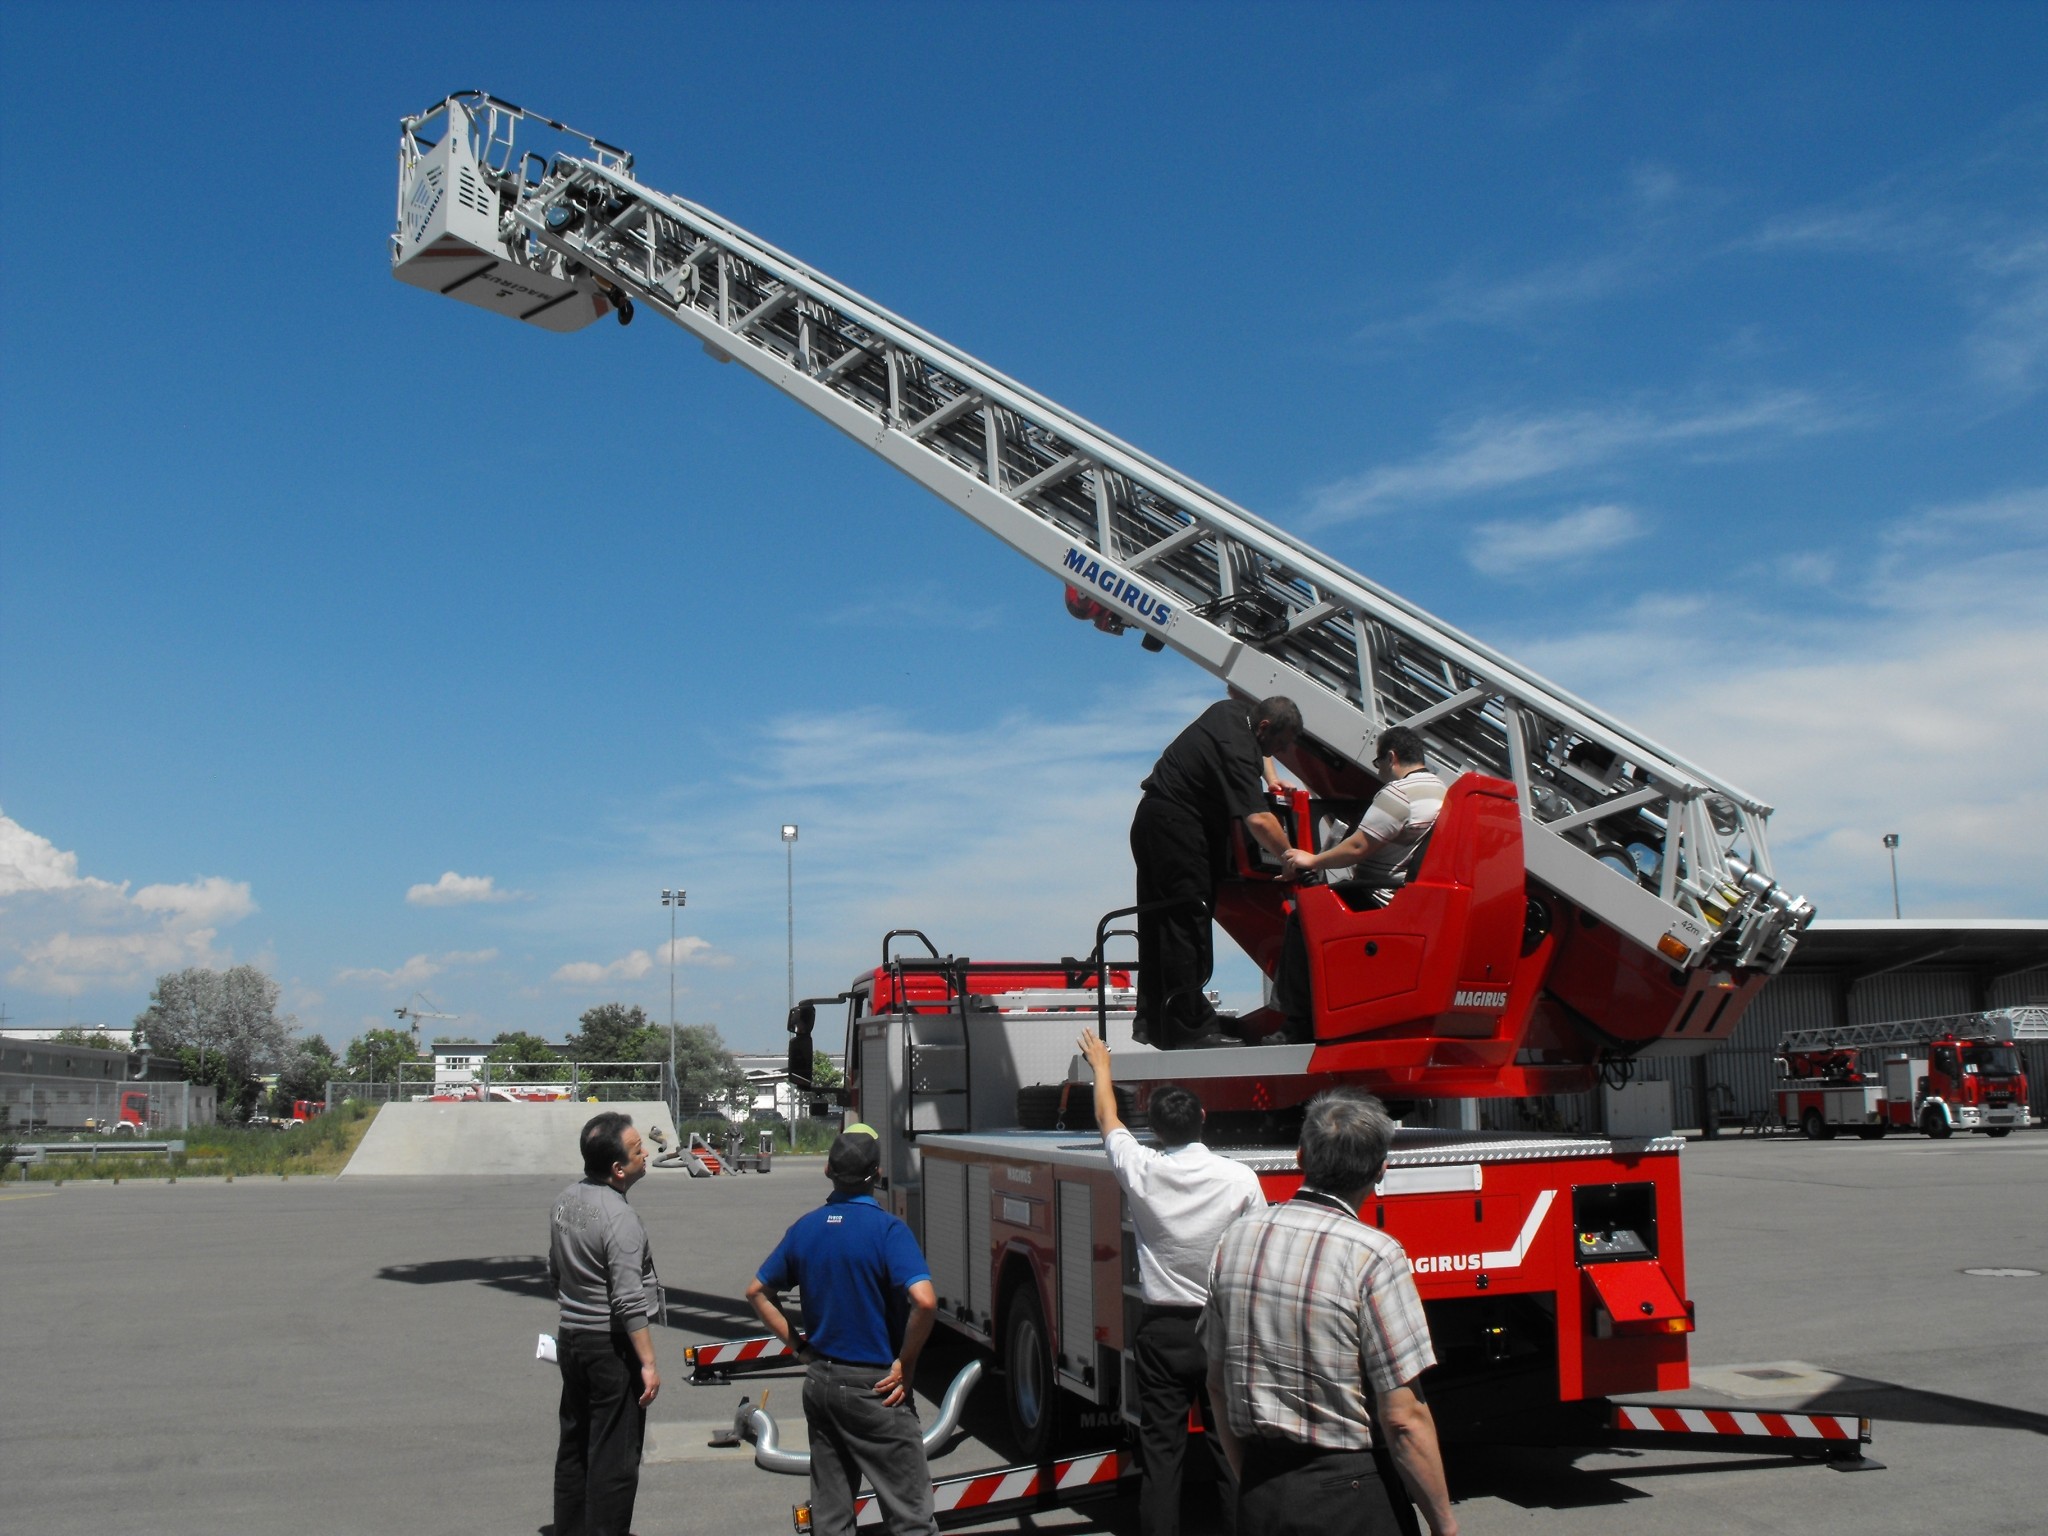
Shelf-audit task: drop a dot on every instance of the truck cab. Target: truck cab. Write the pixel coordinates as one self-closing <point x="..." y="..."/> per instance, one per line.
<point x="1953" y="1084"/>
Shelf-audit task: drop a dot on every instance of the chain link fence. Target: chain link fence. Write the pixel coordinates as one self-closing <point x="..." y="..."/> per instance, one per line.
<point x="605" y="1082"/>
<point x="33" y="1104"/>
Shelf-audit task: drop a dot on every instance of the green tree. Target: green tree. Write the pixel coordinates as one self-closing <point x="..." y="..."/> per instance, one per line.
<point x="517" y="1056"/>
<point x="376" y="1055"/>
<point x="223" y="1026"/>
<point x="707" y="1074"/>
<point x="615" y="1032"/>
<point x="306" y="1075"/>
<point x="92" y="1040"/>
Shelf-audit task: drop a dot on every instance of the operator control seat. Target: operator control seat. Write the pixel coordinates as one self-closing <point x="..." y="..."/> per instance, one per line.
<point x="1443" y="947"/>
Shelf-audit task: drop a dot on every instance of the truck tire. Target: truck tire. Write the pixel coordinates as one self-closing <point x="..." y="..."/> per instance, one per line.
<point x="1030" y="1391"/>
<point x="1816" y="1128"/>
<point x="1934" y="1124"/>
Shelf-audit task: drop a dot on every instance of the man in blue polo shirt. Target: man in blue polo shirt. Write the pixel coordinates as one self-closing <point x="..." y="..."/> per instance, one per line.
<point x="869" y="1304"/>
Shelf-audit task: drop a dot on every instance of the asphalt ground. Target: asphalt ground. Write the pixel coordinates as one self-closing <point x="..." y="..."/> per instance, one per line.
<point x="357" y="1355"/>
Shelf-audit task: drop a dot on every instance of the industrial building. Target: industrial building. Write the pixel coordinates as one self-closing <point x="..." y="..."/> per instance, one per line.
<point x="49" y="1086"/>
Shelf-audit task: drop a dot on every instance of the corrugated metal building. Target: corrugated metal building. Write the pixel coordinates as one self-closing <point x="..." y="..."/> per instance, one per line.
<point x="1845" y="971"/>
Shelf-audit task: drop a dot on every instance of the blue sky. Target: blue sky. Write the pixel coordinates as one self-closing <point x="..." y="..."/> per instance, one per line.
<point x="1693" y="354"/>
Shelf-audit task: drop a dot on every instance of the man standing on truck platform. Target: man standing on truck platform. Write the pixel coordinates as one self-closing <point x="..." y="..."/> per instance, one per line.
<point x="869" y="1306"/>
<point x="1181" y="1198"/>
<point x="603" y="1276"/>
<point x="1310" y="1309"/>
<point x="1208" y="777"/>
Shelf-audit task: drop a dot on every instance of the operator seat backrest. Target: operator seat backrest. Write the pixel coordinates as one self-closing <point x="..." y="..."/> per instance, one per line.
<point x="1437" y="851"/>
<point x="1411" y="863"/>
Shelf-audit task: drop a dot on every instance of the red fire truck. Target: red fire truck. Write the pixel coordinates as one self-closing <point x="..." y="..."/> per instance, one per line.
<point x="1961" y="1072"/>
<point x="131" y="1116"/>
<point x="1587" y="898"/>
<point x="1552" y="1267"/>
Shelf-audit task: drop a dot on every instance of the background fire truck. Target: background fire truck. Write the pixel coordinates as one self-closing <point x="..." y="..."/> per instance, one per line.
<point x="1937" y="1076"/>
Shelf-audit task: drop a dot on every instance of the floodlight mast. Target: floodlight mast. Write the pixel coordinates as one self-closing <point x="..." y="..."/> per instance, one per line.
<point x="1673" y="858"/>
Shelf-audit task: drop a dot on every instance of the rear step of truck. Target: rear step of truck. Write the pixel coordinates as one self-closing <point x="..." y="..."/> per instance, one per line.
<point x="996" y="1492"/>
<point x="1841" y="1440"/>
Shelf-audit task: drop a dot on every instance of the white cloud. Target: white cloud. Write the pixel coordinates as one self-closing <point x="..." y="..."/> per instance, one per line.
<point x="1921" y="709"/>
<point x="31" y="862"/>
<point x="419" y="969"/>
<point x="586" y="973"/>
<point x="212" y="900"/>
<point x="1529" y="547"/>
<point x="1497" y="453"/>
<point x="71" y="933"/>
<point x="1969" y="221"/>
<point x="453" y="890"/>
<point x="691" y="950"/>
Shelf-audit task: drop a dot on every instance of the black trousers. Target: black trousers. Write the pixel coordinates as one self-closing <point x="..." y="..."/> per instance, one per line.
<point x="854" y="1433"/>
<point x="1176" y="948"/>
<point x="1291" y="993"/>
<point x="1295" y="1490"/>
<point x="1172" y="1372"/>
<point x="597" y="1464"/>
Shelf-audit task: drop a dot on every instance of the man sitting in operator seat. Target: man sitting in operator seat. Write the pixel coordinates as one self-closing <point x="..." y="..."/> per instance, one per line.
<point x="1379" y="853"/>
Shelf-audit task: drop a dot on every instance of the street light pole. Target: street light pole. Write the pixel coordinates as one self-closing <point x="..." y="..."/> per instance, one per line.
<point x="789" y="899"/>
<point x="673" y="900"/>
<point x="1891" y="843"/>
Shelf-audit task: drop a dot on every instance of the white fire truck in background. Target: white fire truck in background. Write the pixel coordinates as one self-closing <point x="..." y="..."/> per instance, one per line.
<point x="1588" y="897"/>
<point x="1937" y="1076"/>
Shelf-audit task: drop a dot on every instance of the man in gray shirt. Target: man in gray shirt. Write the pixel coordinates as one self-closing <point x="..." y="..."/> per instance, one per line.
<point x="603" y="1275"/>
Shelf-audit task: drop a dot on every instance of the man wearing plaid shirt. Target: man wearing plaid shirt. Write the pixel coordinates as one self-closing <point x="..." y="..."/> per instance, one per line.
<point x="1310" y="1310"/>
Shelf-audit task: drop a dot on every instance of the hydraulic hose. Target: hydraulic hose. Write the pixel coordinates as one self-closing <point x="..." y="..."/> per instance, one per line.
<point x="771" y="1457"/>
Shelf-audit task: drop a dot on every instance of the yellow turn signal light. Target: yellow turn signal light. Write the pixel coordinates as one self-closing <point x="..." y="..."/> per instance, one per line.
<point x="1672" y="947"/>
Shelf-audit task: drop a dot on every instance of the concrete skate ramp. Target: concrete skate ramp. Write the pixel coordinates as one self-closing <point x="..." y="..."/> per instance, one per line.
<point x="442" y="1140"/>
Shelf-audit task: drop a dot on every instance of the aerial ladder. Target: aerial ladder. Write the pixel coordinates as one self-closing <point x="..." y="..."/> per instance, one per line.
<point x="1612" y="897"/>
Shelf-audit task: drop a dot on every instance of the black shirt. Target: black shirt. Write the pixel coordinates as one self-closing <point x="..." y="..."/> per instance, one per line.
<point x="1214" y="769"/>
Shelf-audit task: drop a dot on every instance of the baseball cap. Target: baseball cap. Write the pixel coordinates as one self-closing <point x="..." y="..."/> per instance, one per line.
<point x="856" y="1156"/>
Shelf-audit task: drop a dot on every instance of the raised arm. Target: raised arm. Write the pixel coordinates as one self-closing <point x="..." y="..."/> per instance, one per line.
<point x="1265" y="828"/>
<point x="1097" y="1054"/>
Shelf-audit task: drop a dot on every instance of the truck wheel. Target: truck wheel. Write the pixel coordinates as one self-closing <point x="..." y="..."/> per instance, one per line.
<point x="1816" y="1128"/>
<point x="1935" y="1124"/>
<point x="1997" y="1130"/>
<point x="1029" y="1391"/>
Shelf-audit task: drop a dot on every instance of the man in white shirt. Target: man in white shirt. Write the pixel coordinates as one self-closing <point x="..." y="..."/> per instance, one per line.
<point x="1181" y="1197"/>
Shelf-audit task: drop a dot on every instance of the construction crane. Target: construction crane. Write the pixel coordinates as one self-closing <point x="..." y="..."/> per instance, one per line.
<point x="1626" y="836"/>
<point x="408" y="1011"/>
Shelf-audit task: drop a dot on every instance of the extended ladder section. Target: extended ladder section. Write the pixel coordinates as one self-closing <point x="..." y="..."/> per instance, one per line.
<point x="1995" y="1024"/>
<point x="1671" y="856"/>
